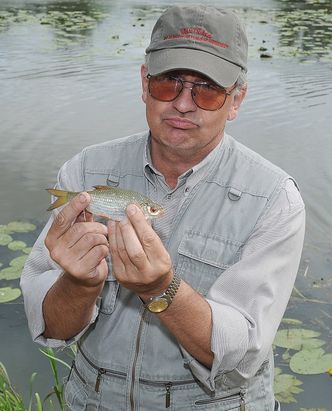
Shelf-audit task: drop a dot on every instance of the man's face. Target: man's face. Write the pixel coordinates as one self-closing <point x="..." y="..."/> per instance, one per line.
<point x="180" y="125"/>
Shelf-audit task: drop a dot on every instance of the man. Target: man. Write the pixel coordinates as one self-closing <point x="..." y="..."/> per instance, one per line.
<point x="180" y="314"/>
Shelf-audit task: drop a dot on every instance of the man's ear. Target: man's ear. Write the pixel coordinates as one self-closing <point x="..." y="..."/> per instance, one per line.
<point x="144" y="80"/>
<point x="237" y="101"/>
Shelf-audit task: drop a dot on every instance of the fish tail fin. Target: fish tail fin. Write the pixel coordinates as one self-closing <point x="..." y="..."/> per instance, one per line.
<point x="63" y="197"/>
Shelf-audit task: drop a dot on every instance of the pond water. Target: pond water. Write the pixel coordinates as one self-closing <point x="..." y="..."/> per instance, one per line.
<point x="69" y="77"/>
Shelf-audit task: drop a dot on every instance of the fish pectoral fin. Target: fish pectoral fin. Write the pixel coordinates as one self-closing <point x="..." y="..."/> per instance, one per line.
<point x="103" y="187"/>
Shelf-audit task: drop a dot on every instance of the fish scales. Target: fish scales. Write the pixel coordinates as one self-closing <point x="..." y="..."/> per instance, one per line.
<point x="110" y="202"/>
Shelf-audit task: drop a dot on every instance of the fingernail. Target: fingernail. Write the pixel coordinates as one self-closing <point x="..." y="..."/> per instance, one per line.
<point x="83" y="198"/>
<point x="131" y="209"/>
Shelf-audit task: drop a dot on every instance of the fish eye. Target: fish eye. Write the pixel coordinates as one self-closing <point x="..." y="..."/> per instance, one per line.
<point x="153" y="210"/>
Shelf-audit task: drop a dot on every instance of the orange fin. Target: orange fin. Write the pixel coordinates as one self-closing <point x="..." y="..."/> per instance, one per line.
<point x="103" y="187"/>
<point x="61" y="200"/>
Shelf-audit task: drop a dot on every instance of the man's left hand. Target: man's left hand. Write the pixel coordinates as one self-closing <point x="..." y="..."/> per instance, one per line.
<point x="140" y="261"/>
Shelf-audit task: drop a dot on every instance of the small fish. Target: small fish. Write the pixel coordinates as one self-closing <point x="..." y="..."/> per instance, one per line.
<point x="109" y="202"/>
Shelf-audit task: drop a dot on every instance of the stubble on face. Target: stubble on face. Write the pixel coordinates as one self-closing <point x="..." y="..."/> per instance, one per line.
<point x="180" y="130"/>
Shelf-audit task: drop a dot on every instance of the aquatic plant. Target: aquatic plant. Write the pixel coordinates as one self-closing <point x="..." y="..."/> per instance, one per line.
<point x="13" y="271"/>
<point x="10" y="400"/>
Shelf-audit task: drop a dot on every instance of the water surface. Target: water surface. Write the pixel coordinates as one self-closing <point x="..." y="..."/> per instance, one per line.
<point x="69" y="76"/>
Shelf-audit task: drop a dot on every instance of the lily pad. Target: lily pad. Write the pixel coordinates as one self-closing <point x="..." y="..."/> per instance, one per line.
<point x="17" y="245"/>
<point x="314" y="361"/>
<point x="10" y="273"/>
<point x="9" y="294"/>
<point x="5" y="239"/>
<point x="27" y="250"/>
<point x="291" y="321"/>
<point x="286" y="386"/>
<point x="298" y="339"/>
<point x="18" y="262"/>
<point x="21" y="227"/>
<point x="4" y="229"/>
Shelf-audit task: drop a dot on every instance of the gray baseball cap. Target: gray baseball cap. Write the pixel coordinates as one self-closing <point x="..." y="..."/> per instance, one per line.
<point x="200" y="38"/>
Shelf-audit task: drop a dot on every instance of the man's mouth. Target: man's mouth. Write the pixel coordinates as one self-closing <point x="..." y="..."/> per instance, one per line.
<point x="179" y="122"/>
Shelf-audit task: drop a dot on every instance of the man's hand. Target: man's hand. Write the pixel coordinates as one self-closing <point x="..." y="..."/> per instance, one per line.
<point x="79" y="247"/>
<point x="140" y="262"/>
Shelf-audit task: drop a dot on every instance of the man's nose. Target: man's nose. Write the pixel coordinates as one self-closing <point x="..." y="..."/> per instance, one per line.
<point x="184" y="102"/>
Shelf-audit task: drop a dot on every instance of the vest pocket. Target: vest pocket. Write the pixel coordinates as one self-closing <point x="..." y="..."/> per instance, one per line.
<point x="231" y="402"/>
<point x="109" y="293"/>
<point x="75" y="393"/>
<point x="204" y="257"/>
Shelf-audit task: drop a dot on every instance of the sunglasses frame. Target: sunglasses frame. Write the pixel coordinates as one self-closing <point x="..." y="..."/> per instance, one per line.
<point x="194" y="83"/>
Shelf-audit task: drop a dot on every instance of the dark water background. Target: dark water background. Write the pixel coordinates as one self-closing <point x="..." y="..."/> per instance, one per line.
<point x="69" y="77"/>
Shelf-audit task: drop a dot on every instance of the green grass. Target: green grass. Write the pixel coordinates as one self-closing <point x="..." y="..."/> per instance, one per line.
<point x="10" y="400"/>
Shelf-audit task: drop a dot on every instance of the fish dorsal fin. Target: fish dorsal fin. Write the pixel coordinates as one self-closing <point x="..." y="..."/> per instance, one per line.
<point x="103" y="187"/>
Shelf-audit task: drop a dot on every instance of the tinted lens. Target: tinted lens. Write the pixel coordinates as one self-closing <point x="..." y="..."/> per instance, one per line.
<point x="205" y="95"/>
<point x="209" y="97"/>
<point x="164" y="88"/>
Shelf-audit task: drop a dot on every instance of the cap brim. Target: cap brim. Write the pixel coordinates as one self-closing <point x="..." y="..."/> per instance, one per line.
<point x="220" y="71"/>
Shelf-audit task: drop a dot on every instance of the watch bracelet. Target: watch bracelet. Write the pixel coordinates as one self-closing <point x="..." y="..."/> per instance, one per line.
<point x="173" y="287"/>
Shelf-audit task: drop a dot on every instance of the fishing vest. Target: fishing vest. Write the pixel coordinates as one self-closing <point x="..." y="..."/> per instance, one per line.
<point x="127" y="360"/>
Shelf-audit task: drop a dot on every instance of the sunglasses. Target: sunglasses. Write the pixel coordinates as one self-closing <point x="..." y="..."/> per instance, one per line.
<point x="206" y="96"/>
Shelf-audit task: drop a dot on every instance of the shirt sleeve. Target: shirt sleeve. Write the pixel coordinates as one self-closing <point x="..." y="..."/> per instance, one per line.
<point x="249" y="300"/>
<point x="40" y="271"/>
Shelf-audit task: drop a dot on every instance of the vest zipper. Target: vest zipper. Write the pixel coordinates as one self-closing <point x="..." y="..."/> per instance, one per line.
<point x="133" y="373"/>
<point x="220" y="399"/>
<point x="100" y="371"/>
<point x="168" y="387"/>
<point x="242" y="402"/>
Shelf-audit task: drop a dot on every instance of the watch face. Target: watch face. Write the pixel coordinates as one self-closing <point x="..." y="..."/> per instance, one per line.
<point x="158" y="305"/>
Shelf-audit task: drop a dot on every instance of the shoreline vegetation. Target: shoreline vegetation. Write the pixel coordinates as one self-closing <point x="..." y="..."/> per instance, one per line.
<point x="11" y="400"/>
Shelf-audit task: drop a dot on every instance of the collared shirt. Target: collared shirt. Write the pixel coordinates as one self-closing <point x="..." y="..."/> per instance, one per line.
<point x="171" y="199"/>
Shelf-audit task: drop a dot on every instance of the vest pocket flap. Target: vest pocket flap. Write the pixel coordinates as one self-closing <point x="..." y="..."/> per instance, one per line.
<point x="210" y="249"/>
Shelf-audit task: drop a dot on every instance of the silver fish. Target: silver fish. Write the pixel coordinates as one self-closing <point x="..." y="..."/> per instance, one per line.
<point x="109" y="202"/>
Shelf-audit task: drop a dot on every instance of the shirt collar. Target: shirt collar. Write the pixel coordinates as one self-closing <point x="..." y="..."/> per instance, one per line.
<point x="199" y="169"/>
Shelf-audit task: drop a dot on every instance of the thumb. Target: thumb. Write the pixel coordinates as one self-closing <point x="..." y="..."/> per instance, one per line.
<point x="69" y="214"/>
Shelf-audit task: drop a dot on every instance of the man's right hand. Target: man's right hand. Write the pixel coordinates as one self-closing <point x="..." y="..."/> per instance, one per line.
<point x="79" y="247"/>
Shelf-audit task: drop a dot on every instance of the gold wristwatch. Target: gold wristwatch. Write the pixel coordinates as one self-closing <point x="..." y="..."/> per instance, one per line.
<point x="161" y="302"/>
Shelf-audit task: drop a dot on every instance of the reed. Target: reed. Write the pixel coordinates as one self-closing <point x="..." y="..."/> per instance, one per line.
<point x="10" y="400"/>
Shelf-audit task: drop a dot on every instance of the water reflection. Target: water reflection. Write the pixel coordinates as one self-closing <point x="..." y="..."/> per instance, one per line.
<point x="67" y="18"/>
<point x="305" y="27"/>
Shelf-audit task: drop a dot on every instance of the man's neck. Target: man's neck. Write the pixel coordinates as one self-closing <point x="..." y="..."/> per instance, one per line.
<point x="173" y="164"/>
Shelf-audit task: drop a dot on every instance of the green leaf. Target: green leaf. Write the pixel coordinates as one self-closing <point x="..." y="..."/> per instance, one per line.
<point x="27" y="250"/>
<point x="9" y="294"/>
<point x="314" y="361"/>
<point x="5" y="239"/>
<point x="10" y="273"/>
<point x="286" y="386"/>
<point x="4" y="229"/>
<point x="21" y="227"/>
<point x="17" y="245"/>
<point x="297" y="339"/>
<point x="291" y="321"/>
<point x="19" y="261"/>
